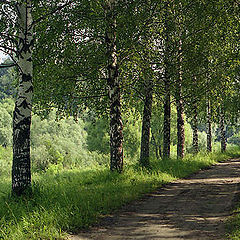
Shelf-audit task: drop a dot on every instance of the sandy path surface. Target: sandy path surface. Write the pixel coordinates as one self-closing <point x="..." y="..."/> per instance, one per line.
<point x="192" y="208"/>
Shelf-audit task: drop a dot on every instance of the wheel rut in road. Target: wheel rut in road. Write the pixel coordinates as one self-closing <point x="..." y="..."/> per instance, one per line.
<point x="194" y="208"/>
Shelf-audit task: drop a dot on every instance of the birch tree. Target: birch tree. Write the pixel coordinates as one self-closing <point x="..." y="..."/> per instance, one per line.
<point x="16" y="39"/>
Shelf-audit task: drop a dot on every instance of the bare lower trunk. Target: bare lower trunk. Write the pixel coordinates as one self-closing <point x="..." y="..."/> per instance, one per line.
<point x="21" y="168"/>
<point x="180" y="109"/>
<point x="116" y="130"/>
<point x="195" y="129"/>
<point x="167" y="98"/>
<point x="180" y="129"/>
<point x="195" y="135"/>
<point x="209" y="128"/>
<point x="146" y="125"/>
<point x="160" y="150"/>
<point x="167" y="121"/>
<point x="222" y="131"/>
<point x="156" y="146"/>
<point x="116" y="126"/>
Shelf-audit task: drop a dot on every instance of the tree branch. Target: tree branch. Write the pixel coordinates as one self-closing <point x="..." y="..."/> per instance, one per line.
<point x="8" y="65"/>
<point x="5" y="1"/>
<point x="5" y="49"/>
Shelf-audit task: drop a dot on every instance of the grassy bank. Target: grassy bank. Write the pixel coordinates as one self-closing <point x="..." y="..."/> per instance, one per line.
<point x="233" y="224"/>
<point x="69" y="200"/>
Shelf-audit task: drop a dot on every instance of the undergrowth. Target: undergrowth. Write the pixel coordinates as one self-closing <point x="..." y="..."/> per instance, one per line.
<point x="65" y="201"/>
<point x="233" y="223"/>
<point x="233" y="226"/>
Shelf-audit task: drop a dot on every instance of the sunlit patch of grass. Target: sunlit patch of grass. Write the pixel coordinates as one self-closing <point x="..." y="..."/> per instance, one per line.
<point x="69" y="200"/>
<point x="233" y="226"/>
<point x="233" y="223"/>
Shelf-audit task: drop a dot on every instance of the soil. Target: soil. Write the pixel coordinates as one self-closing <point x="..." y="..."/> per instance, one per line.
<point x="193" y="208"/>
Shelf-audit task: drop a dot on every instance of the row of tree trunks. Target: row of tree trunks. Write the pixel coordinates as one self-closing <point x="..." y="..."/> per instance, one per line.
<point x="146" y="124"/>
<point x="113" y="81"/>
<point x="21" y="168"/>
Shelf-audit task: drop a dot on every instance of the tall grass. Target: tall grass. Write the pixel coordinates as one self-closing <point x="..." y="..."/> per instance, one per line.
<point x="69" y="200"/>
<point x="233" y="225"/>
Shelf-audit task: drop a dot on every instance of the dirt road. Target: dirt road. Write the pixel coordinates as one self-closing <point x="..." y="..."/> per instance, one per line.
<point x="193" y="208"/>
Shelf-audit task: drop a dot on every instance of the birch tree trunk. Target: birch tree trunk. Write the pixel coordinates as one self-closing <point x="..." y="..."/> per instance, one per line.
<point x="180" y="109"/>
<point x="195" y="129"/>
<point x="116" y="126"/>
<point x="167" y="119"/>
<point x="167" y="97"/>
<point x="222" y="131"/>
<point x="146" y="125"/>
<point x="180" y="129"/>
<point x="21" y="168"/>
<point x="156" y="146"/>
<point x="209" y="127"/>
<point x="195" y="119"/>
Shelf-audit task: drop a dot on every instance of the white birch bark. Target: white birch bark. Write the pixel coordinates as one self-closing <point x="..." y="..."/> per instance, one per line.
<point x="116" y="126"/>
<point x="21" y="168"/>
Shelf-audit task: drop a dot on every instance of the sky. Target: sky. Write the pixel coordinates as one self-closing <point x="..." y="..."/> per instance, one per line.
<point x="2" y="55"/>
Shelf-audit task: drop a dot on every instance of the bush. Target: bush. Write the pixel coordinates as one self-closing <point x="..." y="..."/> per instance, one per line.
<point x="6" y="109"/>
<point x="234" y="140"/>
<point x="5" y="161"/>
<point x="59" y="142"/>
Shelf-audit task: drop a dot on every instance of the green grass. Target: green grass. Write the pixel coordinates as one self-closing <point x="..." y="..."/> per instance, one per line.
<point x="233" y="225"/>
<point x="69" y="200"/>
